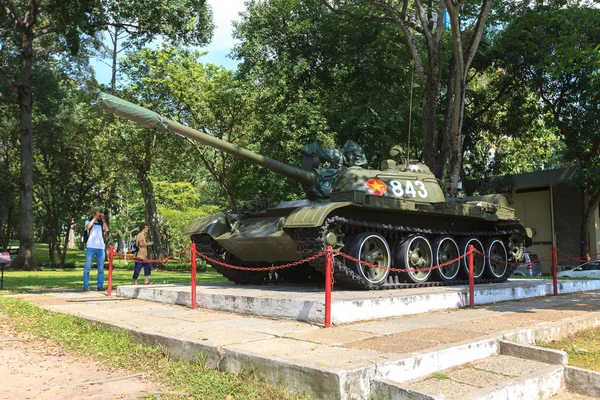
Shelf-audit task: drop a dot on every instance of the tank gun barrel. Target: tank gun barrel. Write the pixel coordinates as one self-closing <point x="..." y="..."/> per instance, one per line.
<point x="152" y="120"/>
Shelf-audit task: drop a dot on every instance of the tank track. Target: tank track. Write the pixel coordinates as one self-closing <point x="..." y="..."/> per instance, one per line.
<point x="311" y="241"/>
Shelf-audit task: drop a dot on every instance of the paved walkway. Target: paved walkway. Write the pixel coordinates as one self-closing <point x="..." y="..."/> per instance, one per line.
<point x="353" y="353"/>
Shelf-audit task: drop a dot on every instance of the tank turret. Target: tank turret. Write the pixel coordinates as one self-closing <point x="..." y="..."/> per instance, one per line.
<point x="393" y="217"/>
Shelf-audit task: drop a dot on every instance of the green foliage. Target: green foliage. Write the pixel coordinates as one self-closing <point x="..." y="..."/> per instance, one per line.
<point x="181" y="22"/>
<point x="202" y="96"/>
<point x="322" y="79"/>
<point x="67" y="164"/>
<point x="9" y="171"/>
<point x="176" y="221"/>
<point x="554" y="52"/>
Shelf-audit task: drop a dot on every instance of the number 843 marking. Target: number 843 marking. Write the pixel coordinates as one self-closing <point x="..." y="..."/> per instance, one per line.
<point x="409" y="189"/>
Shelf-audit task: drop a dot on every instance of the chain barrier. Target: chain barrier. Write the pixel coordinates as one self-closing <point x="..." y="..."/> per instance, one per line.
<point x="159" y="260"/>
<point x="566" y="258"/>
<point x="579" y="259"/>
<point x="323" y="253"/>
<point x="496" y="260"/>
<point x="272" y="268"/>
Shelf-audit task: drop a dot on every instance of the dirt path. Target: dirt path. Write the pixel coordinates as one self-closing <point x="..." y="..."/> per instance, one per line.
<point x="33" y="368"/>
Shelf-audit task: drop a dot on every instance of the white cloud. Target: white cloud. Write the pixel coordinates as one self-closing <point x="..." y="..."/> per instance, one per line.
<point x="224" y="12"/>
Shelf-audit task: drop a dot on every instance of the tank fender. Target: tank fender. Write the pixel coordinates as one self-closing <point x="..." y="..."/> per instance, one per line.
<point x="214" y="225"/>
<point x="312" y="215"/>
<point x="529" y="237"/>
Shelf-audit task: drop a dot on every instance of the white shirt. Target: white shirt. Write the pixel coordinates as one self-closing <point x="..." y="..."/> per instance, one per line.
<point x="95" y="239"/>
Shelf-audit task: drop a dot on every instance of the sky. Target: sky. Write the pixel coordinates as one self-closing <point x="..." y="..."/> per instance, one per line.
<point x="224" y="12"/>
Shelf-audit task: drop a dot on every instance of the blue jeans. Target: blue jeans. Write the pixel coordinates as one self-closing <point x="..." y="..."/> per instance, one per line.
<point x="138" y="268"/>
<point x="89" y="256"/>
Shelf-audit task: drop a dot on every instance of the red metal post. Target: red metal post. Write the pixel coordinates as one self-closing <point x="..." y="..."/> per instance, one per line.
<point x="193" y="249"/>
<point x="554" y="278"/>
<point x="328" y="271"/>
<point x="471" y="278"/>
<point x="111" y="257"/>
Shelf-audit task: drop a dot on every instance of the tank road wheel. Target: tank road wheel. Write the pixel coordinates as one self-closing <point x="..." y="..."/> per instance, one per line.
<point x="372" y="248"/>
<point x="414" y="254"/>
<point x="478" y="259"/>
<point x="496" y="265"/>
<point x="446" y="249"/>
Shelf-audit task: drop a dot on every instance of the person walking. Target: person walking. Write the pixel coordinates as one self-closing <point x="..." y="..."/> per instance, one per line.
<point x="142" y="244"/>
<point x="95" y="226"/>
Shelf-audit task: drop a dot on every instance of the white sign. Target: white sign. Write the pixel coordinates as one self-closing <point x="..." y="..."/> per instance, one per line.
<point x="4" y="258"/>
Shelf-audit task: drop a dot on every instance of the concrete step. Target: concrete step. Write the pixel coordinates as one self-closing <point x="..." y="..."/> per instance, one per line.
<point x="497" y="377"/>
<point x="569" y="395"/>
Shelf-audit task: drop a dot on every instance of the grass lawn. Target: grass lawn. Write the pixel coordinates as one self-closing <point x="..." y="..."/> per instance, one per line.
<point x="72" y="278"/>
<point x="116" y="348"/>
<point x="582" y="347"/>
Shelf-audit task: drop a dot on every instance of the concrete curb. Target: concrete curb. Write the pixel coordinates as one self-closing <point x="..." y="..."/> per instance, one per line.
<point x="550" y="331"/>
<point x="541" y="384"/>
<point x="346" y="307"/>
<point x="583" y="381"/>
<point x="428" y="362"/>
<point x="548" y="356"/>
<point x="391" y="390"/>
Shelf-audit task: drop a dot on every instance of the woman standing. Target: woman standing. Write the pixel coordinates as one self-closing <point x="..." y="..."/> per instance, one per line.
<point x="142" y="254"/>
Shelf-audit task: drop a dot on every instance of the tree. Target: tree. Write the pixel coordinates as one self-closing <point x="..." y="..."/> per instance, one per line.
<point x="323" y="79"/>
<point x="554" y="50"/>
<point x="204" y="97"/>
<point x="9" y="172"/>
<point x="22" y="22"/>
<point x="132" y="24"/>
<point x="67" y="161"/>
<point x="504" y="126"/>
<point x="422" y="27"/>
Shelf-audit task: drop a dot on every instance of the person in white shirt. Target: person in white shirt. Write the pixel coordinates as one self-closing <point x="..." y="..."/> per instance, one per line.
<point x="95" y="227"/>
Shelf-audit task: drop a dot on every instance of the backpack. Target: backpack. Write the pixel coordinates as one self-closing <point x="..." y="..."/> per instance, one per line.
<point x="86" y="236"/>
<point x="133" y="247"/>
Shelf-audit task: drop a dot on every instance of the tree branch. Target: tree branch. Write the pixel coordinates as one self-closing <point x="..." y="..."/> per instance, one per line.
<point x="11" y="11"/>
<point x="478" y="33"/>
<point x="363" y="17"/>
<point x="8" y="81"/>
<point x="126" y="27"/>
<point x="593" y="152"/>
<point x="42" y="32"/>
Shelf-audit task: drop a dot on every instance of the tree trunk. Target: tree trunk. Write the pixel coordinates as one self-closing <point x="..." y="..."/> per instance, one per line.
<point x="453" y="136"/>
<point x="113" y="79"/>
<point x="431" y="139"/>
<point x="3" y="234"/>
<point x="52" y="246"/>
<point x="151" y="217"/>
<point x="63" y="254"/>
<point x="229" y="196"/>
<point x="25" y="258"/>
<point x="589" y="206"/>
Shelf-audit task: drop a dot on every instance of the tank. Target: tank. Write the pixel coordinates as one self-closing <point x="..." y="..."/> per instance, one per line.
<point x="392" y="217"/>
